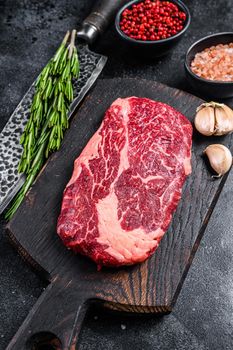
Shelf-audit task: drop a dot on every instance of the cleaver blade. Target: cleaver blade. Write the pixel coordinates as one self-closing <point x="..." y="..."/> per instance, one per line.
<point x="91" y="65"/>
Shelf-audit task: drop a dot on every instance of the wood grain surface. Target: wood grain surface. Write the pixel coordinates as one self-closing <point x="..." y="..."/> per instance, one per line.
<point x="152" y="286"/>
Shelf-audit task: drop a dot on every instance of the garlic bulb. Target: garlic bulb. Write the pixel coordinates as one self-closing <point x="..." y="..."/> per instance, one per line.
<point x="220" y="158"/>
<point x="214" y="118"/>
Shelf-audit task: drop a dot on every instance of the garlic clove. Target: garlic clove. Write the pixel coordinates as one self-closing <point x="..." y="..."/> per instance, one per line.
<point x="205" y="120"/>
<point x="220" y="158"/>
<point x="223" y="120"/>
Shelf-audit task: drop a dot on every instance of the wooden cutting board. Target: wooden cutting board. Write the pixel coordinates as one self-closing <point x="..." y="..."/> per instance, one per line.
<point x="152" y="286"/>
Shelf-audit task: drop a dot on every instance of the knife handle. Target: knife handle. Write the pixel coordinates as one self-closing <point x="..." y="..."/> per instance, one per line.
<point x="99" y="19"/>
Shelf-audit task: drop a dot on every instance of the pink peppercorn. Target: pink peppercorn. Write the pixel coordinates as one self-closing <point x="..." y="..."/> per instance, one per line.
<point x="152" y="20"/>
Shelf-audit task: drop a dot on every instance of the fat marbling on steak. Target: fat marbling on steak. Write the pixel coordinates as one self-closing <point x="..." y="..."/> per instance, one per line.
<point x="127" y="183"/>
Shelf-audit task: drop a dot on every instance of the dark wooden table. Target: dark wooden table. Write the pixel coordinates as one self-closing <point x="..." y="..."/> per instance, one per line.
<point x="202" y="319"/>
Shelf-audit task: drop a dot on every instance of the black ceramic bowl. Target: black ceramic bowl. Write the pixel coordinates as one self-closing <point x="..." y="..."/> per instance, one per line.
<point x="152" y="48"/>
<point x="210" y="88"/>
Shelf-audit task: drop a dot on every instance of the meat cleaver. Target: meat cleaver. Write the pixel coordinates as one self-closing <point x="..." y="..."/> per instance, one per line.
<point x="91" y="65"/>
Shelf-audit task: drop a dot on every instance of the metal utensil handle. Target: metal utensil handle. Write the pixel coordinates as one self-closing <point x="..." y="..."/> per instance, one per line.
<point x="99" y="19"/>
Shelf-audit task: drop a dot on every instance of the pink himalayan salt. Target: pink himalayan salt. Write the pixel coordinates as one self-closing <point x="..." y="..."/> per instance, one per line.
<point x="214" y="63"/>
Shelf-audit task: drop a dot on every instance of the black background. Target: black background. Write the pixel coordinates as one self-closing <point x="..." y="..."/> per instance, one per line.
<point x="30" y="31"/>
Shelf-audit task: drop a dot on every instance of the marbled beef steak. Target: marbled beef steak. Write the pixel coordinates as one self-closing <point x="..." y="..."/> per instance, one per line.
<point x="127" y="183"/>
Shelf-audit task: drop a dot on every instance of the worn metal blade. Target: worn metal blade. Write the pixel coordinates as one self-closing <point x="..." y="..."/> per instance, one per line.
<point x="91" y="65"/>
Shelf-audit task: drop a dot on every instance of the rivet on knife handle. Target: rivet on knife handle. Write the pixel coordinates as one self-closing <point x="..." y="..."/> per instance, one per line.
<point x="99" y="19"/>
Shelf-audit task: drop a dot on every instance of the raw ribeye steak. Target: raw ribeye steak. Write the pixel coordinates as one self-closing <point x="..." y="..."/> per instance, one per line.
<point x="127" y="182"/>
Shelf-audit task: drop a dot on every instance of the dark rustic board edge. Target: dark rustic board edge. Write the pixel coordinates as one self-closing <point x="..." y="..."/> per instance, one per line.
<point x="126" y="308"/>
<point x="199" y="237"/>
<point x="27" y="257"/>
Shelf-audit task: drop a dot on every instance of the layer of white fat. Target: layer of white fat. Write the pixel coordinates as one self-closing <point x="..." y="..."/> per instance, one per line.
<point x="124" y="162"/>
<point x="187" y="166"/>
<point x="127" y="246"/>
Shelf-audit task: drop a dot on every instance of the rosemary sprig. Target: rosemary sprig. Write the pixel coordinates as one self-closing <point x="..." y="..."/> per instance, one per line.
<point x="48" y="120"/>
<point x="39" y="107"/>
